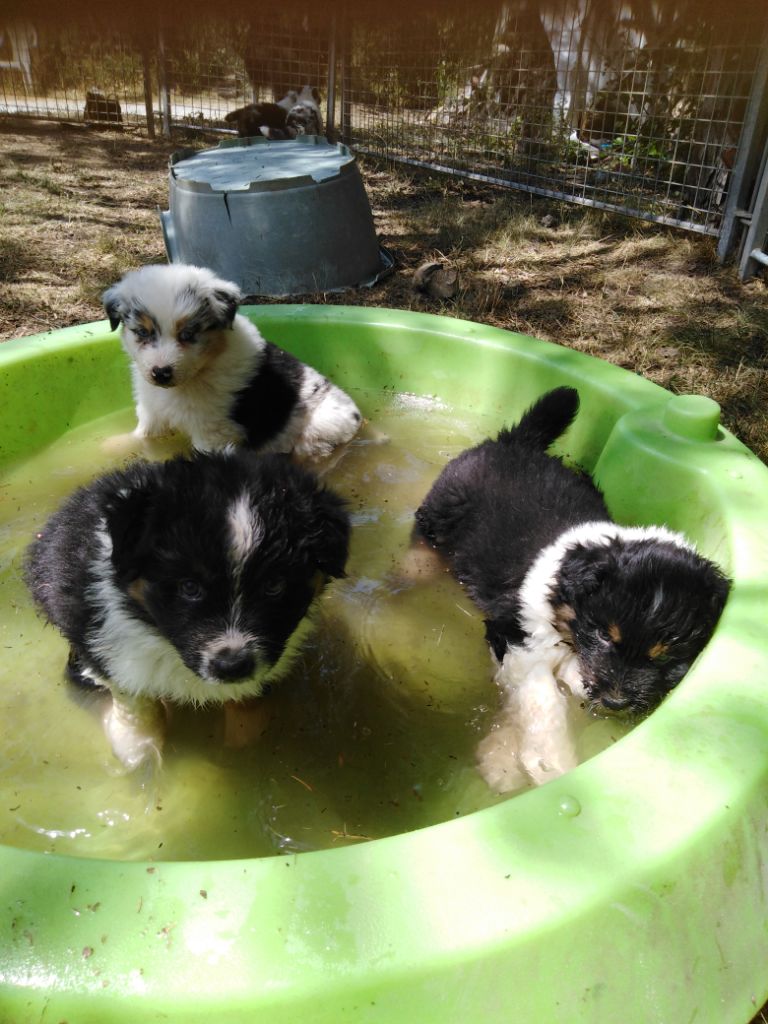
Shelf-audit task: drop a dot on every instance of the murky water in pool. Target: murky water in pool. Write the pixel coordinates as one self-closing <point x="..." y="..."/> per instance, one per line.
<point x="372" y="734"/>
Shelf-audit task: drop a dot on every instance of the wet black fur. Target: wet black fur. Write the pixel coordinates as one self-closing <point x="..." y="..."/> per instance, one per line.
<point x="265" y="405"/>
<point x="496" y="506"/>
<point x="660" y="597"/>
<point x="168" y="527"/>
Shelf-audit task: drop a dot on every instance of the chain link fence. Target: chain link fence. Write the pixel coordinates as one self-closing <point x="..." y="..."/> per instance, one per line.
<point x="625" y="105"/>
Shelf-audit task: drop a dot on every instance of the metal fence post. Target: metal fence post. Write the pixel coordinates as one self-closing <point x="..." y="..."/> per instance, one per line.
<point x="148" y="100"/>
<point x="330" y="103"/>
<point x="162" y="83"/>
<point x="345" y="58"/>
<point x="738" y="207"/>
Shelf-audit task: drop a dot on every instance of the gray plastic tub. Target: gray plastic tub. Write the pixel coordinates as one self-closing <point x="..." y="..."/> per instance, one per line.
<point x="278" y="218"/>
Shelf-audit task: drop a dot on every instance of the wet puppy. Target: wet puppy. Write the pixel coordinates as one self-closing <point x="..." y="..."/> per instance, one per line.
<point x="188" y="581"/>
<point x="616" y="614"/>
<point x="201" y="368"/>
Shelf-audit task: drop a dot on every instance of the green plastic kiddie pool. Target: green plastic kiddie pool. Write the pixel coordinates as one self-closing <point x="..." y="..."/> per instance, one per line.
<point x="632" y="889"/>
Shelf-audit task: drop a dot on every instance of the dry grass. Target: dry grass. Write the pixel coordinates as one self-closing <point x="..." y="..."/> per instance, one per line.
<point x="78" y="209"/>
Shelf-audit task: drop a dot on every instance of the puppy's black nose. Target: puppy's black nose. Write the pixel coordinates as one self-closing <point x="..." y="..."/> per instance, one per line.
<point x="614" y="701"/>
<point x="162" y="375"/>
<point x="232" y="663"/>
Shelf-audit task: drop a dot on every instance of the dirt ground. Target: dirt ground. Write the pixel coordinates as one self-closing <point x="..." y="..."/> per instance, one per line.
<point x="79" y="208"/>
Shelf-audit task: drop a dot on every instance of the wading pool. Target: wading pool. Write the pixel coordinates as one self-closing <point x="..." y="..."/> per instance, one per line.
<point x="336" y="857"/>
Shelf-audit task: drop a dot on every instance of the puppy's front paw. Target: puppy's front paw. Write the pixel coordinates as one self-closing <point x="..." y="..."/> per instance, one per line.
<point x="497" y="760"/>
<point x="551" y="765"/>
<point x="135" y="728"/>
<point x="420" y="563"/>
<point x="245" y="722"/>
<point x="122" y="444"/>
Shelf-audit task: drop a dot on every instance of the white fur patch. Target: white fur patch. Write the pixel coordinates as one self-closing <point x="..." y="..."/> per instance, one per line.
<point x="231" y="639"/>
<point x="531" y="741"/>
<point x="200" y="406"/>
<point x="246" y="529"/>
<point x="135" y="728"/>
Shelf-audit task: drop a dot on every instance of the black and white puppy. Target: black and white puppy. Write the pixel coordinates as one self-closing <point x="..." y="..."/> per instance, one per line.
<point x="201" y="368"/>
<point x="615" y="613"/>
<point x="253" y="117"/>
<point x="186" y="581"/>
<point x="304" y="117"/>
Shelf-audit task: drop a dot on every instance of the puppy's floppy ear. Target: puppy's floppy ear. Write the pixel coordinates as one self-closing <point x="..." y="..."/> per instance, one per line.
<point x="716" y="587"/>
<point x="126" y="517"/>
<point x="583" y="570"/>
<point x="223" y="301"/>
<point x="331" y="534"/>
<point x="504" y="632"/>
<point x="114" y="305"/>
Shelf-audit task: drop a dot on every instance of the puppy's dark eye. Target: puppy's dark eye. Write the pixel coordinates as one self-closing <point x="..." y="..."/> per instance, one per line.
<point x="186" y="336"/>
<point x="143" y="332"/>
<point x="190" y="590"/>
<point x="274" y="588"/>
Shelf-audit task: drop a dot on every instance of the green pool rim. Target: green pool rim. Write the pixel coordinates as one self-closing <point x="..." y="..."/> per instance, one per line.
<point x="631" y="889"/>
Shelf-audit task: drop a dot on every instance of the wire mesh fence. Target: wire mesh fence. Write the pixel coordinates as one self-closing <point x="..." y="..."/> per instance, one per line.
<point x="622" y="104"/>
<point x="588" y="102"/>
<point x="69" y="72"/>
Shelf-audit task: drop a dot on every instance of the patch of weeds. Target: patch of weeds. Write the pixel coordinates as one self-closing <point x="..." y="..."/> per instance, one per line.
<point x="17" y="257"/>
<point x="39" y="182"/>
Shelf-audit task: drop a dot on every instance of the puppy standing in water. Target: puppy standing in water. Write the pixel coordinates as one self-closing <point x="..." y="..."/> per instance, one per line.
<point x="186" y="581"/>
<point x="616" y="614"/>
<point x="202" y="369"/>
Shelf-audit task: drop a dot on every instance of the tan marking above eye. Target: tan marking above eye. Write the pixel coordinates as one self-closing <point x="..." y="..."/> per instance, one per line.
<point x="658" y="650"/>
<point x="136" y="590"/>
<point x="564" y="616"/>
<point x="614" y="633"/>
<point x="181" y="325"/>
<point x="565" y="613"/>
<point x="146" y="322"/>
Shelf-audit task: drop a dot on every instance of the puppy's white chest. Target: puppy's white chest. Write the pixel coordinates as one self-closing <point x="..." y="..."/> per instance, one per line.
<point x="200" y="412"/>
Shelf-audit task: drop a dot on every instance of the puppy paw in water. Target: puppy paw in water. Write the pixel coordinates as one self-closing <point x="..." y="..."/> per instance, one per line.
<point x="135" y="728"/>
<point x="245" y="722"/>
<point x="498" y="761"/>
<point x="122" y="444"/>
<point x="420" y="563"/>
<point x="139" y="445"/>
<point x="531" y="742"/>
